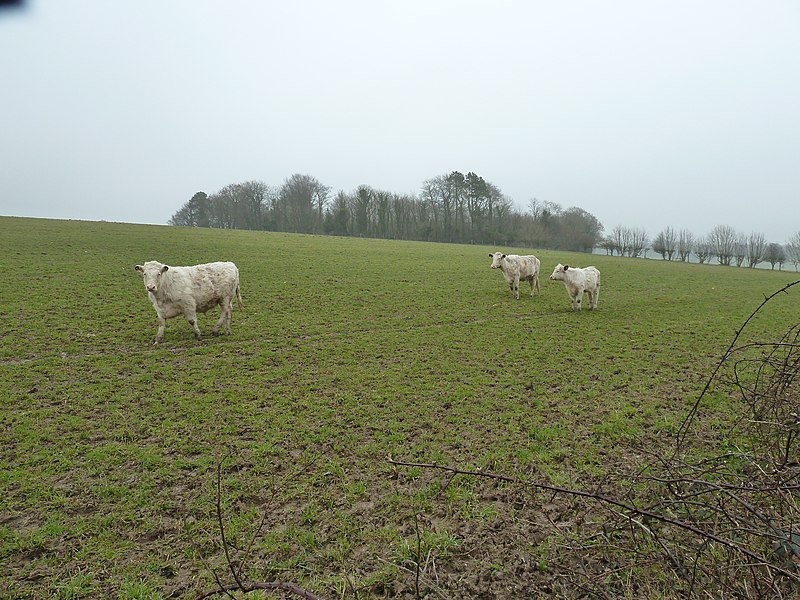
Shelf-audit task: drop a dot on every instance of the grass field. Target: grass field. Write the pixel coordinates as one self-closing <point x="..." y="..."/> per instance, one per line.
<point x="347" y="352"/>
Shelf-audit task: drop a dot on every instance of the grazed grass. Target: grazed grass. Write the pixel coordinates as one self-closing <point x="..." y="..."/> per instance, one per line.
<point x="348" y="351"/>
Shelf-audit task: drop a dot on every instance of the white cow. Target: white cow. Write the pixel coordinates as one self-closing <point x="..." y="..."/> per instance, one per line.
<point x="516" y="268"/>
<point x="190" y="290"/>
<point x="577" y="281"/>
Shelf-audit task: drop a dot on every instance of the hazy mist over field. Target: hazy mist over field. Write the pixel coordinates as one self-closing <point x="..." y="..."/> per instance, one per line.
<point x="654" y="114"/>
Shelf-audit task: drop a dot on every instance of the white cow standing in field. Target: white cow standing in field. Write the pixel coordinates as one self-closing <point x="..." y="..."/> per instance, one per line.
<point x="191" y="290"/>
<point x="577" y="281"/>
<point x="516" y="268"/>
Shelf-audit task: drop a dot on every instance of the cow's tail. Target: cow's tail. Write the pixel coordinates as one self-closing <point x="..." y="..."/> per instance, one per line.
<point x="239" y="297"/>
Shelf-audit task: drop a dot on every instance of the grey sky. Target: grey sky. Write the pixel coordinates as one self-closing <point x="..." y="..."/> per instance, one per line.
<point x="646" y="114"/>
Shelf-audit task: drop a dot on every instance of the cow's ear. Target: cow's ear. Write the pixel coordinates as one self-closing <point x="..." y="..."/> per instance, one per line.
<point x="164" y="268"/>
<point x="566" y="267"/>
<point x="491" y="255"/>
<point x="139" y="268"/>
<point x="503" y="256"/>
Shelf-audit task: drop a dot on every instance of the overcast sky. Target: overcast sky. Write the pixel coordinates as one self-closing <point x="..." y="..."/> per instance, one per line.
<point x="681" y="113"/>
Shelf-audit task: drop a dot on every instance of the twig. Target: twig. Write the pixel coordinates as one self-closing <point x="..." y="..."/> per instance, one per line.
<point x="608" y="500"/>
<point x="419" y="553"/>
<point x="434" y="588"/>
<point x="233" y="571"/>
<point x="252" y="587"/>
<point x="684" y="428"/>
<point x="244" y="587"/>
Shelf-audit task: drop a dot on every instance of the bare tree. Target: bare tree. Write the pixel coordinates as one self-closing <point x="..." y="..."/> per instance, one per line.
<point x="723" y="241"/>
<point x="545" y="215"/>
<point x="403" y="209"/>
<point x="337" y="217"/>
<point x="535" y="208"/>
<point x="665" y="243"/>
<point x="383" y="213"/>
<point x="617" y="239"/>
<point x="703" y="250"/>
<point x="793" y="250"/>
<point x="362" y="201"/>
<point x="500" y="229"/>
<point x="253" y="197"/>
<point x="498" y="205"/>
<point x="775" y="255"/>
<point x="636" y="241"/>
<point x="740" y="249"/>
<point x="223" y="208"/>
<point x="756" y="245"/>
<point x="240" y="205"/>
<point x="685" y="244"/>
<point x="320" y="198"/>
<point x="608" y="245"/>
<point x="436" y="208"/>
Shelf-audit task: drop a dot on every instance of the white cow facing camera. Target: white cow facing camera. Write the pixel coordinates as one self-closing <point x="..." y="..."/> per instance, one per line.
<point x="577" y="281"/>
<point x="517" y="268"/>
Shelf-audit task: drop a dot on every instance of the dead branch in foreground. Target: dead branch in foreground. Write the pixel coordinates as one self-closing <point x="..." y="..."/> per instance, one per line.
<point x="240" y="585"/>
<point x="601" y="498"/>
<point x="246" y="587"/>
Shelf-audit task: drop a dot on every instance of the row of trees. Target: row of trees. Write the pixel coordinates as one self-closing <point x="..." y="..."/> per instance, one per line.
<point x="464" y="209"/>
<point x="450" y="208"/>
<point x="723" y="244"/>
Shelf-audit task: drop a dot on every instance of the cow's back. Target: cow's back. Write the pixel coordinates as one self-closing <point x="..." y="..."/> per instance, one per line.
<point x="528" y="266"/>
<point x="206" y="284"/>
<point x="591" y="276"/>
<point x="215" y="282"/>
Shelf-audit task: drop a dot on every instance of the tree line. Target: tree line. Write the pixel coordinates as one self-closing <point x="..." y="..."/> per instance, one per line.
<point x="460" y="208"/>
<point x="454" y="208"/>
<point x="723" y="244"/>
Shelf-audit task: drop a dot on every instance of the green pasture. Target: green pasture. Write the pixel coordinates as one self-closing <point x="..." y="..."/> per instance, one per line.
<point x="347" y="352"/>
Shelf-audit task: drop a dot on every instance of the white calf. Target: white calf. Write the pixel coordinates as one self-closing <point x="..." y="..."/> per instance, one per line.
<point x="577" y="281"/>
<point x="516" y="268"/>
<point x="191" y="290"/>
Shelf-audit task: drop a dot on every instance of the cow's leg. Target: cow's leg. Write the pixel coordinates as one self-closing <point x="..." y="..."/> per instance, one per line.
<point x="596" y="297"/>
<point x="162" y="323"/>
<point x="591" y="299"/>
<point x="578" y="300"/>
<point x="516" y="288"/>
<point x="573" y="298"/>
<point x="224" y="317"/>
<point x="191" y="316"/>
<point x="533" y="283"/>
<point x="193" y="322"/>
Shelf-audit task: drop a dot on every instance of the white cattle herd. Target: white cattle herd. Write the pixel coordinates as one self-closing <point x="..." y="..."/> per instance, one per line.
<point x="197" y="289"/>
<point x="516" y="268"/>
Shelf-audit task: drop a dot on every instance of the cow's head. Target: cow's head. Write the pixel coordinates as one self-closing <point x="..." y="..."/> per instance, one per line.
<point x="558" y="272"/>
<point x="497" y="257"/>
<point x="151" y="273"/>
